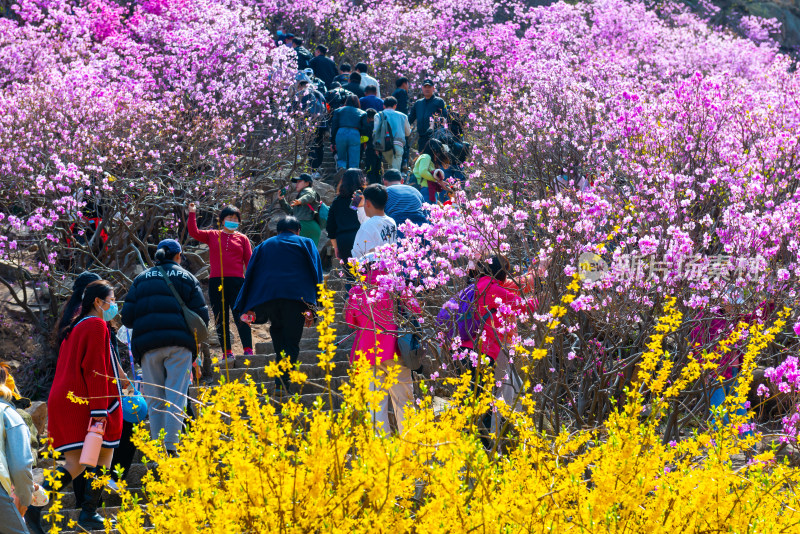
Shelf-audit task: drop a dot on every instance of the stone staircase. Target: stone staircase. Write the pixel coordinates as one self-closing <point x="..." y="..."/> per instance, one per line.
<point x="245" y="366"/>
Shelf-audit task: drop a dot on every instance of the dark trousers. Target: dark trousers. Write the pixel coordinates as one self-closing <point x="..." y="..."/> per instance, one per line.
<point x="422" y="143"/>
<point x="373" y="165"/>
<point x="404" y="163"/>
<point x="231" y="288"/>
<point x="316" y="149"/>
<point x="286" y="321"/>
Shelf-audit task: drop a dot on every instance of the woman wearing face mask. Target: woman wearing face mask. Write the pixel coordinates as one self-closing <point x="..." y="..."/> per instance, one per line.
<point x="87" y="388"/>
<point x="229" y="254"/>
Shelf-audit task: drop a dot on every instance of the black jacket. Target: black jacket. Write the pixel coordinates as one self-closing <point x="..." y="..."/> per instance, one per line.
<point x="304" y="57"/>
<point x="324" y="69"/>
<point x="423" y="110"/>
<point x="355" y="89"/>
<point x="402" y="100"/>
<point x="348" y="117"/>
<point x="153" y="312"/>
<point x="343" y="79"/>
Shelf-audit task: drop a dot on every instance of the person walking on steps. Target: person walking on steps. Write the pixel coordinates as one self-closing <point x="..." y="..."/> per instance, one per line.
<point x="87" y="371"/>
<point x="425" y="111"/>
<point x="161" y="338"/>
<point x="347" y="126"/>
<point x="281" y="287"/>
<point x="324" y="67"/>
<point x="305" y="207"/>
<point x="229" y="252"/>
<point x="85" y="499"/>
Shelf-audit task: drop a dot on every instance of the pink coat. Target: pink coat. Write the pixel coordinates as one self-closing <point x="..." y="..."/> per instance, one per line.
<point x="372" y="316"/>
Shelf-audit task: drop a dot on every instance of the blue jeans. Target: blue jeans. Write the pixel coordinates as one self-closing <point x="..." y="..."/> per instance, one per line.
<point x="348" y="148"/>
<point x="441" y="196"/>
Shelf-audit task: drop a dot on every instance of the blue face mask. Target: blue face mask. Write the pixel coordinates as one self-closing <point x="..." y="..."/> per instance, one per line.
<point x="231" y="225"/>
<point x="111" y="312"/>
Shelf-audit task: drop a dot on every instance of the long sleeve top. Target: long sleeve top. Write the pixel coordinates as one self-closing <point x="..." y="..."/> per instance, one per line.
<point x="16" y="458"/>
<point x="309" y="205"/>
<point x="343" y="224"/>
<point x="423" y="109"/>
<point x="423" y="170"/>
<point x="504" y="303"/>
<point x="348" y="117"/>
<point x="236" y="249"/>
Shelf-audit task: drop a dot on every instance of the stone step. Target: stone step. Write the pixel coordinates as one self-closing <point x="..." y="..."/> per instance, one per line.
<point x="110" y="497"/>
<point x="259" y="376"/>
<point x="310" y="386"/>
<point x="306" y="343"/>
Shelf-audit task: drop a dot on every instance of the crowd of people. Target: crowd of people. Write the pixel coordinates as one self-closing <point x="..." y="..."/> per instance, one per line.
<point x="165" y="309"/>
<point x="369" y="131"/>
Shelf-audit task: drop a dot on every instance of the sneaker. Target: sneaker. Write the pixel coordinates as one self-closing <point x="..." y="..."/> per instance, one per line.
<point x="229" y="357"/>
<point x="248" y="351"/>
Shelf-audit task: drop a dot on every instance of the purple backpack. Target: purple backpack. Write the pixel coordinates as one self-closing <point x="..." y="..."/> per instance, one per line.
<point x="457" y="316"/>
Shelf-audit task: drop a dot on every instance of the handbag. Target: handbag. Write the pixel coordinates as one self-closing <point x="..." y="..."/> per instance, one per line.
<point x="195" y="323"/>
<point x="408" y="344"/>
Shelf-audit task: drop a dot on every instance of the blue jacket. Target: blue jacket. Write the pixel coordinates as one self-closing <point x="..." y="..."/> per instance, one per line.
<point x="349" y="117"/>
<point x="371" y="101"/>
<point x="286" y="266"/>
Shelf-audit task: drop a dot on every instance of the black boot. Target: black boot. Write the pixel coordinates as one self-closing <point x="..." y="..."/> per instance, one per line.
<point x="89" y="519"/>
<point x="33" y="516"/>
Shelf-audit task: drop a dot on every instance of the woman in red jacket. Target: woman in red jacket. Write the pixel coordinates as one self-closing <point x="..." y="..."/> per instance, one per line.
<point x="229" y="252"/>
<point x="87" y="387"/>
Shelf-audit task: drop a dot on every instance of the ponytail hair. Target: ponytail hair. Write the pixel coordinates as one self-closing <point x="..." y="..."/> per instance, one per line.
<point x="73" y="305"/>
<point x="96" y="290"/>
<point x="161" y="255"/>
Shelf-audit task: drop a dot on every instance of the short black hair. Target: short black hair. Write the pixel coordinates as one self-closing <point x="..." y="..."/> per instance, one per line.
<point x="392" y="175"/>
<point x="362" y="67"/>
<point x="389" y="102"/>
<point x="345" y="67"/>
<point x="322" y="49"/>
<point x="497" y="267"/>
<point x="227" y="211"/>
<point x="355" y="77"/>
<point x="400" y="81"/>
<point x="288" y="224"/>
<point x="298" y="41"/>
<point x="377" y="195"/>
<point x="371" y="112"/>
<point x="371" y="90"/>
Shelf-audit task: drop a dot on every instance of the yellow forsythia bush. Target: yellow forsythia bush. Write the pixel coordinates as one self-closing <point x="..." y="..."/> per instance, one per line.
<point x="246" y="468"/>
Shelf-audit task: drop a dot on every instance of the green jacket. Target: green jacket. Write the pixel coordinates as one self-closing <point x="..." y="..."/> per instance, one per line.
<point x="303" y="212"/>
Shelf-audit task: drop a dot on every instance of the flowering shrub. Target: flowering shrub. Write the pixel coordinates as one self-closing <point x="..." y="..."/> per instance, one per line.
<point x="246" y="467"/>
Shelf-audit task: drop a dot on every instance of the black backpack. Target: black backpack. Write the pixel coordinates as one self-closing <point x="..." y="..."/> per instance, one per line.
<point x="336" y="98"/>
<point x="304" y="58"/>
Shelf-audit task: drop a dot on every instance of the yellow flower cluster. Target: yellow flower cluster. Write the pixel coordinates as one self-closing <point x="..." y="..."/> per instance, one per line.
<point x="245" y="468"/>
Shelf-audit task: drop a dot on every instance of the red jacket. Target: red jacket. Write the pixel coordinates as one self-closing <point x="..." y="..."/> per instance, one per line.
<point x="88" y="370"/>
<point x="236" y="250"/>
<point x="505" y="303"/>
